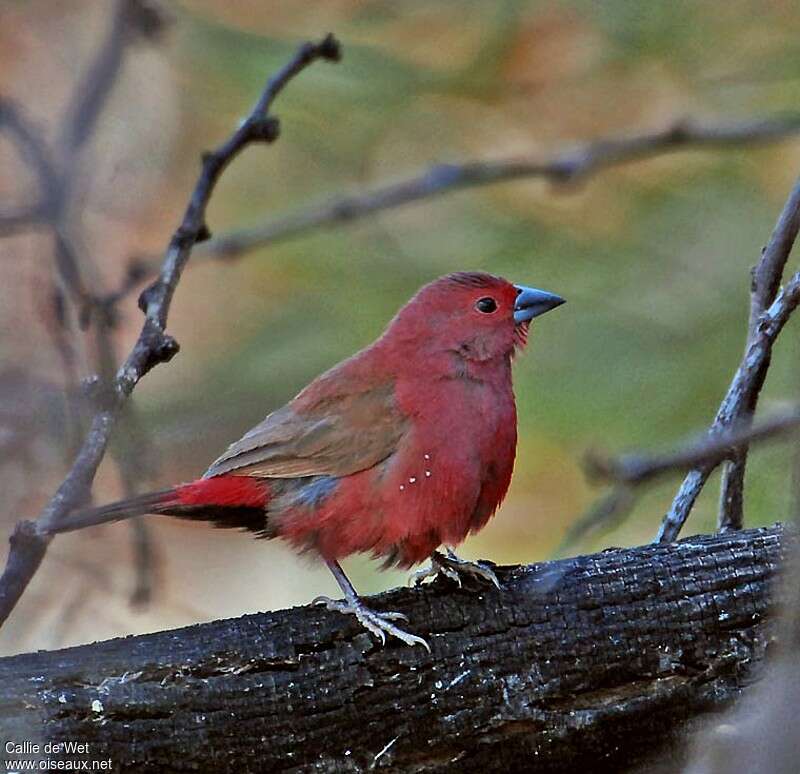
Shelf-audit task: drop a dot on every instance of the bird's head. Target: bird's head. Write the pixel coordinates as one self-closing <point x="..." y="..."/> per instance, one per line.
<point x="474" y="315"/>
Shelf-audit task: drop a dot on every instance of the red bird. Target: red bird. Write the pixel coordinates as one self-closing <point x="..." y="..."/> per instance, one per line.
<point x="405" y="446"/>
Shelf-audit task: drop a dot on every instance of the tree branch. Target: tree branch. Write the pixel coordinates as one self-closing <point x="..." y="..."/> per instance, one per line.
<point x="635" y="469"/>
<point x="766" y="280"/>
<point x="630" y="473"/>
<point x="595" y="663"/>
<point x="570" y="166"/>
<point x="130" y="18"/>
<point x="742" y="396"/>
<point x="36" y="154"/>
<point x="154" y="345"/>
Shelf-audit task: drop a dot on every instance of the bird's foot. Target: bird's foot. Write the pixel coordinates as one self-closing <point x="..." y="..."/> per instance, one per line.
<point x="454" y="568"/>
<point x="379" y="624"/>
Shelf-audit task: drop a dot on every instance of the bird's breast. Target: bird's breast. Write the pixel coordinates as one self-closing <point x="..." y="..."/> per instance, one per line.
<point x="453" y="467"/>
<point x="448" y="473"/>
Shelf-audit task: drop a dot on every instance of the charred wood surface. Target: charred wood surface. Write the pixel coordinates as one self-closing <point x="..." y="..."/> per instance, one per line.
<point x="594" y="664"/>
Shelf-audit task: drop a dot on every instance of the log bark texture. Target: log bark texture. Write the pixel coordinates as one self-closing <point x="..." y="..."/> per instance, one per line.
<point x="595" y="663"/>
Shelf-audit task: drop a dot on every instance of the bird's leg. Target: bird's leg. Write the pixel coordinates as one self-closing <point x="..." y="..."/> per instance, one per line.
<point x="454" y="568"/>
<point x="379" y="624"/>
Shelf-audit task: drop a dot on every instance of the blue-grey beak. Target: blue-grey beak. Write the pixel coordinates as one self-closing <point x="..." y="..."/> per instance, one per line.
<point x="532" y="302"/>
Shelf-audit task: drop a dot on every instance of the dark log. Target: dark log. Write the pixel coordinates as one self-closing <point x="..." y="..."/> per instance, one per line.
<point x="595" y="663"/>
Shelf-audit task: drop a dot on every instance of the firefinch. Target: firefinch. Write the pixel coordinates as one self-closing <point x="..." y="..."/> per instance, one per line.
<point x="403" y="447"/>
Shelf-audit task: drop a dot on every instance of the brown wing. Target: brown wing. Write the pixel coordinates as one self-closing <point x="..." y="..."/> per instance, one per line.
<point x="337" y="434"/>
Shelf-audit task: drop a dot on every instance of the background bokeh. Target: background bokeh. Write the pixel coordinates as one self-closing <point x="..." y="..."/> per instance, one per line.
<point x="653" y="257"/>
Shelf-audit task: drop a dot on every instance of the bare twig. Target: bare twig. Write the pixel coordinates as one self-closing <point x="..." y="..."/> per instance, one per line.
<point x="146" y="564"/>
<point x="36" y="154"/>
<point x="55" y="181"/>
<point x="130" y="18"/>
<point x="30" y="539"/>
<point x="730" y="433"/>
<point x="630" y="473"/>
<point x="569" y="166"/>
<point x="32" y="148"/>
<point x="765" y="283"/>
<point x="636" y="469"/>
<point x="19" y="220"/>
<point x="746" y="382"/>
<point x="97" y="82"/>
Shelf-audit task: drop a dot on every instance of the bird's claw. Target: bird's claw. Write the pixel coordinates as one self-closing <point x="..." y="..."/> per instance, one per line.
<point x="434" y="570"/>
<point x="452" y="567"/>
<point x="379" y="624"/>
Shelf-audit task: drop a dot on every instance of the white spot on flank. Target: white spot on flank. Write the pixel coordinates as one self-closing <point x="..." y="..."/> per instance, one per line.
<point x="412" y="480"/>
<point x="427" y="474"/>
<point x="402" y="487"/>
<point x="427" y="456"/>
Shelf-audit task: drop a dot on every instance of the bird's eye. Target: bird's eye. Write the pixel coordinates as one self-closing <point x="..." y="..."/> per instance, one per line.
<point x="486" y="305"/>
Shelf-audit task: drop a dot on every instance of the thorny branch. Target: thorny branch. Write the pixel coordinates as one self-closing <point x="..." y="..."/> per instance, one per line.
<point x="740" y="400"/>
<point x="30" y="538"/>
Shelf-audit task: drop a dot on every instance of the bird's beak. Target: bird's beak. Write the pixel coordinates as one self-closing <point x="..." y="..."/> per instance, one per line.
<point x="532" y="302"/>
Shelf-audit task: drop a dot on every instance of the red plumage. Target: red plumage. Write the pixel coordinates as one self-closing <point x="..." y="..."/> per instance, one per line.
<point x="405" y="446"/>
<point x="223" y="491"/>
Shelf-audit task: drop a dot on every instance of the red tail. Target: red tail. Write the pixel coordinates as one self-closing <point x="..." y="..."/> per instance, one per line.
<point x="228" y="501"/>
